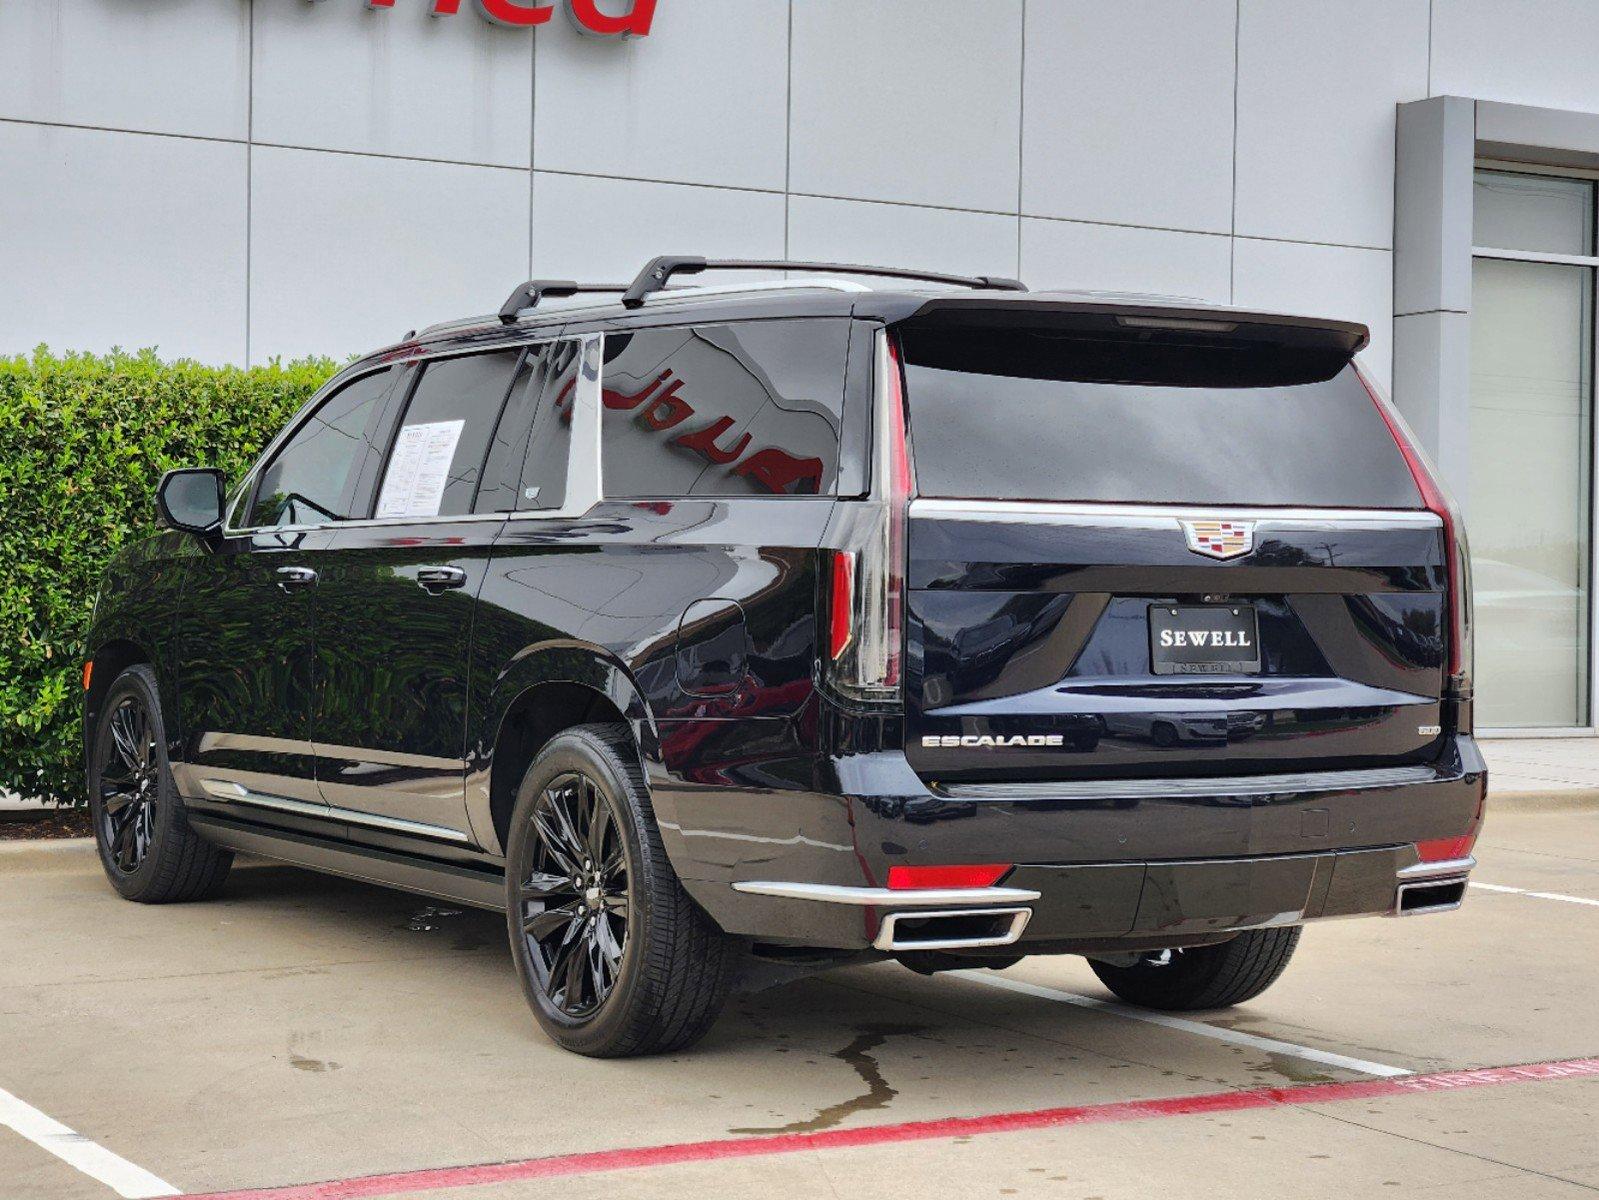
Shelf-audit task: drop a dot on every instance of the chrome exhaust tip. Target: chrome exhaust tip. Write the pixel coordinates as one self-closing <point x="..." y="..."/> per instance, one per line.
<point x="1429" y="896"/>
<point x="951" y="929"/>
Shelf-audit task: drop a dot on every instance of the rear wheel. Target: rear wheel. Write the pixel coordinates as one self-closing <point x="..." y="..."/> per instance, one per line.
<point x="613" y="956"/>
<point x="146" y="846"/>
<point x="1199" y="977"/>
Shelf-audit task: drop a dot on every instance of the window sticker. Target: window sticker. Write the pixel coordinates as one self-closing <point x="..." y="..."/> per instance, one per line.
<point x="419" y="469"/>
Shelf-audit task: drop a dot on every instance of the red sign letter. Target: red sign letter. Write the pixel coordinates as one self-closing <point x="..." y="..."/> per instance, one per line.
<point x="589" y="19"/>
<point x="509" y="12"/>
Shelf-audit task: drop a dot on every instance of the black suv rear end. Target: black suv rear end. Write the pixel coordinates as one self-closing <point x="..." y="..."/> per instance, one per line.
<point x="726" y="632"/>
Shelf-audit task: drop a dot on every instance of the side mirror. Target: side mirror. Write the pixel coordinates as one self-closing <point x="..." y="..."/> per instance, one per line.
<point x="191" y="499"/>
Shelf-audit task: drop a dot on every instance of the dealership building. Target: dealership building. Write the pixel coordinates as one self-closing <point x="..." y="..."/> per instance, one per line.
<point x="237" y="181"/>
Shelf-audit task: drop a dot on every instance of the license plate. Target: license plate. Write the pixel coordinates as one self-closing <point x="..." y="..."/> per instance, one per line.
<point x="1210" y="639"/>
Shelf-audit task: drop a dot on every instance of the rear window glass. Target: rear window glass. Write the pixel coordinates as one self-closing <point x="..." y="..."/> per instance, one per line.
<point x="746" y="409"/>
<point x="1030" y="417"/>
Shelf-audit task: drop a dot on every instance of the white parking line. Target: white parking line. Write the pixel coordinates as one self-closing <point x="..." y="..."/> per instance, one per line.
<point x="1514" y="891"/>
<point x="95" y="1161"/>
<point x="1231" y="1036"/>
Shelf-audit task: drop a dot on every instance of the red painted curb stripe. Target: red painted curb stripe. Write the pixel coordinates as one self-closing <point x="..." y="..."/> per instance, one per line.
<point x="440" y="1178"/>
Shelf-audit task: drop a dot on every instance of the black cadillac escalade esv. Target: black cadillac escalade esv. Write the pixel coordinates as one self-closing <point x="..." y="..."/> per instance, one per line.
<point x="717" y="634"/>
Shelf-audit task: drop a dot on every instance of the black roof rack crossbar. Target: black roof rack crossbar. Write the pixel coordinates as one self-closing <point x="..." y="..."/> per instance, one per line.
<point x="530" y="293"/>
<point x="655" y="276"/>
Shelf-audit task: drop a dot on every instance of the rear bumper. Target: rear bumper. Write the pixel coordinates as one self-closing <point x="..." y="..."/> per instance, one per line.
<point x="1117" y="866"/>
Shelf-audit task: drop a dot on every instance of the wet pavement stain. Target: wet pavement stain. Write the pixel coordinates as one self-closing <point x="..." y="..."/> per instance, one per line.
<point x="301" y="1063"/>
<point x="1295" y="1069"/>
<point x="858" y="1054"/>
<point x="426" y="921"/>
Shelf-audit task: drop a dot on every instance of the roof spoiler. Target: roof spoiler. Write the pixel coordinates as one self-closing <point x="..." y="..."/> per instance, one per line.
<point x="1043" y="313"/>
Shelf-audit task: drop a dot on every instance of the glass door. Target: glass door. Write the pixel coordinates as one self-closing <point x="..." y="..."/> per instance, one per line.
<point x="1530" y="500"/>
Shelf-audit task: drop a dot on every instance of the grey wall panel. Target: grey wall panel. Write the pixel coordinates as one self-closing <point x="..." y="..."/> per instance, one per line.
<point x="1317" y="85"/>
<point x="607" y="229"/>
<point x="1129" y="113"/>
<point x="1539" y="52"/>
<point x="703" y="99"/>
<point x="349" y="252"/>
<point x="911" y="100"/>
<point x="1073" y="255"/>
<point x="340" y="76"/>
<point x="117" y="239"/>
<point x="855" y="231"/>
<point x="182" y="66"/>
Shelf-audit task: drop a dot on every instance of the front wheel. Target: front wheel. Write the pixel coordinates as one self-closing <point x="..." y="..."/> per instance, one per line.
<point x="613" y="956"/>
<point x="1199" y="977"/>
<point x="146" y="846"/>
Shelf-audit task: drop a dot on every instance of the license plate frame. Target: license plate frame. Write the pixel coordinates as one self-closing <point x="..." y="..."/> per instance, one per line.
<point x="1235" y="628"/>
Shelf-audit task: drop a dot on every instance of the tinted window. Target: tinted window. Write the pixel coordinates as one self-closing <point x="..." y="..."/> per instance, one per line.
<point x="309" y="479"/>
<point x="1026" y="417"/>
<point x="503" y="467"/>
<point x="749" y="409"/>
<point x="436" y="454"/>
<point x="543" y="482"/>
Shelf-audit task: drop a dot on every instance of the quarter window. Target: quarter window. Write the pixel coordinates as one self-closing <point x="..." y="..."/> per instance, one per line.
<point x="310" y="479"/>
<point x="437" y="453"/>
<point x="747" y="409"/>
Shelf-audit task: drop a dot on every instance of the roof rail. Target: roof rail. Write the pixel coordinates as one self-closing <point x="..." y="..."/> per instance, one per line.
<point x="530" y="293"/>
<point x="659" y="271"/>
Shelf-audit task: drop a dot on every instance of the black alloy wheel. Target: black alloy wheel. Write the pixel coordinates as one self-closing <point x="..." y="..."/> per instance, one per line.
<point x="575" y="896"/>
<point x="613" y="955"/>
<point x="130" y="784"/>
<point x="147" y="847"/>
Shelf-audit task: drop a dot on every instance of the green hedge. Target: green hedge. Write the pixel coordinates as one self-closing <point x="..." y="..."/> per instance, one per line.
<point x="83" y="440"/>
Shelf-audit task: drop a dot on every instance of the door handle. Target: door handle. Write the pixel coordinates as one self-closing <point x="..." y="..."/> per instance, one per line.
<point x="290" y="578"/>
<point x="435" y="580"/>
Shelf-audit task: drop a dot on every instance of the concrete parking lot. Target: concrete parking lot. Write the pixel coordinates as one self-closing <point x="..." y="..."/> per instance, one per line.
<point x="310" y="1038"/>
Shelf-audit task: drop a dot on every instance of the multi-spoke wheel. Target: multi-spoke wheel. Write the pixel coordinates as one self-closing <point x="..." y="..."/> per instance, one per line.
<point x="614" y="957"/>
<point x="146" y="846"/>
<point x="575" y="897"/>
<point x="129" y="784"/>
<point x="1200" y="977"/>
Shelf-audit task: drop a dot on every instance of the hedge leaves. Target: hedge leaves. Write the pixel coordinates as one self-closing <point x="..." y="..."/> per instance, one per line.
<point x="83" y="441"/>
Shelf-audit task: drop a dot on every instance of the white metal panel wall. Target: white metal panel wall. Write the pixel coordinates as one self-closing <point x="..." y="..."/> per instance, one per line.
<point x="407" y="168"/>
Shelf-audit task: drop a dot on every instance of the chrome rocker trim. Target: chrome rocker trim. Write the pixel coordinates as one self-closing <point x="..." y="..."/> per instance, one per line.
<point x="237" y="793"/>
<point x="1219" y="785"/>
<point x="887" y="897"/>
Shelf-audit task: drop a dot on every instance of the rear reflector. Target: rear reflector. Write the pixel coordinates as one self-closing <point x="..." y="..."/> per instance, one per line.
<point x="88" y="674"/>
<point x="980" y="875"/>
<point x="1442" y="849"/>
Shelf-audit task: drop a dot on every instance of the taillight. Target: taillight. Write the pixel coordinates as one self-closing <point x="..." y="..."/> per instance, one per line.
<point x="971" y="876"/>
<point x="866" y="601"/>
<point x="1456" y="554"/>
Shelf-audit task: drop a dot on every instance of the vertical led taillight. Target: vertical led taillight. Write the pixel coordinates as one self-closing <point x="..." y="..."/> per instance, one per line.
<point x="866" y="605"/>
<point x="1457" y="555"/>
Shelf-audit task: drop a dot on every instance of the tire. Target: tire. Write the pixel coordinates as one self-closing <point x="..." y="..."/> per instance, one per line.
<point x="149" y="853"/>
<point x="1164" y="734"/>
<point x="614" y="957"/>
<point x="1202" y="977"/>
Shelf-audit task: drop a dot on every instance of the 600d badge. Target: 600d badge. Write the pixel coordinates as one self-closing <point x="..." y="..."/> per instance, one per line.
<point x="983" y="741"/>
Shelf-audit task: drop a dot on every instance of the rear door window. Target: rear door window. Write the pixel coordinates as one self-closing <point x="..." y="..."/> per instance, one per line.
<point x="1024" y="416"/>
<point x="436" y="454"/>
<point x="742" y="409"/>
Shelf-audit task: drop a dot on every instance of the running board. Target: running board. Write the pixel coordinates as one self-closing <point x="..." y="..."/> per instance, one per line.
<point x="441" y="881"/>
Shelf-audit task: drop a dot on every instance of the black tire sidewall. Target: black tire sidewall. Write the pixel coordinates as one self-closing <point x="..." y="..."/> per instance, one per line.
<point x="580" y="751"/>
<point x="138" y="681"/>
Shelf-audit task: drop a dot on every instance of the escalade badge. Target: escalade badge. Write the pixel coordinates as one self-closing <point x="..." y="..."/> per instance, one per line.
<point x="1220" y="539"/>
